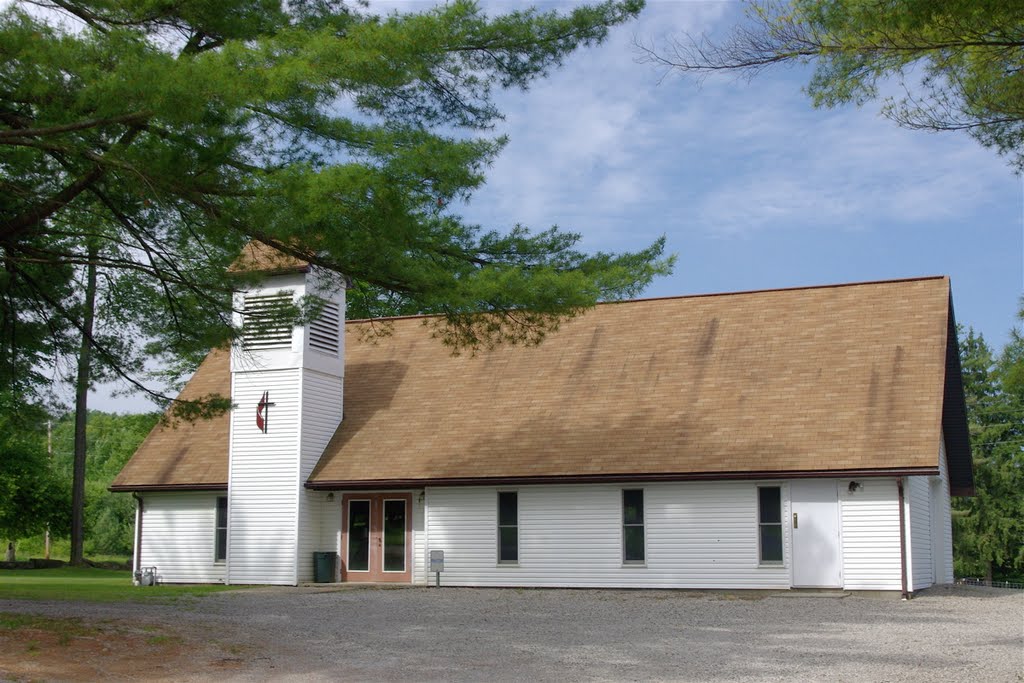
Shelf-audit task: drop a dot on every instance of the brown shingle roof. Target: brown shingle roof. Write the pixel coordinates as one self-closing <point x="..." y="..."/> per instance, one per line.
<point x="261" y="258"/>
<point x="192" y="454"/>
<point x="840" y="378"/>
<point x="830" y="378"/>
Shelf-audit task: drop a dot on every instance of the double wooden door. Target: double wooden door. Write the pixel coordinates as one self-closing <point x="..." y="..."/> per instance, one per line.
<point x="376" y="537"/>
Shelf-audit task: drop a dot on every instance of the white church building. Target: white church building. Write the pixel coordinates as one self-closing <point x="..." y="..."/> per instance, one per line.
<point x="779" y="439"/>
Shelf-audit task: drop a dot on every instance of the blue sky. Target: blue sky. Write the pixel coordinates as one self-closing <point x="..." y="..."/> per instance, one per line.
<point x="752" y="187"/>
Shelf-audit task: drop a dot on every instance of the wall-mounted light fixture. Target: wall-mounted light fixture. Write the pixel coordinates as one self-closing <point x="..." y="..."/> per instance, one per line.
<point x="855" y="486"/>
<point x="330" y="496"/>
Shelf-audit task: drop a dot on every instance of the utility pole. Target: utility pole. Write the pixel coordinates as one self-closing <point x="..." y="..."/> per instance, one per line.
<point x="49" y="454"/>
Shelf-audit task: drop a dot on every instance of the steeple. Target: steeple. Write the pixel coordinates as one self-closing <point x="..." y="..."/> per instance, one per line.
<point x="286" y="386"/>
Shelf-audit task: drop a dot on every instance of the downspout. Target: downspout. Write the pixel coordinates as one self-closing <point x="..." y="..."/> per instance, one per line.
<point x="903" y="543"/>
<point x="138" y="532"/>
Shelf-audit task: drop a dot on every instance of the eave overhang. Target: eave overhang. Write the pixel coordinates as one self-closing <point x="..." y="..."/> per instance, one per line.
<point x="142" y="488"/>
<point x="955" y="431"/>
<point x="619" y="478"/>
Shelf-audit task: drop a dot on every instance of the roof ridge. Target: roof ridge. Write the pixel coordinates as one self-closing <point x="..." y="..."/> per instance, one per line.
<point x="741" y="292"/>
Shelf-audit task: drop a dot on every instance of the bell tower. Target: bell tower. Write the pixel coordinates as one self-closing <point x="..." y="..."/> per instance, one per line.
<point x="286" y="387"/>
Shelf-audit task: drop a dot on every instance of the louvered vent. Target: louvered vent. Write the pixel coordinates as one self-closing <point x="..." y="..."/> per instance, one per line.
<point x="325" y="330"/>
<point x="263" y="327"/>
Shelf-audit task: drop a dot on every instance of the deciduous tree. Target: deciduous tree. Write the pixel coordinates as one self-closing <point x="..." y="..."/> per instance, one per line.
<point x="31" y="496"/>
<point x="111" y="440"/>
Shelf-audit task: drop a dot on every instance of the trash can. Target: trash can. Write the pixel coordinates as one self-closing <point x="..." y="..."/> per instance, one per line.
<point x="323" y="567"/>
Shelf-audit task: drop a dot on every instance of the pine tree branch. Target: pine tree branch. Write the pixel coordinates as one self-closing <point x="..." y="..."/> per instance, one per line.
<point x="112" y="360"/>
<point x="15" y="227"/>
<point x="18" y="132"/>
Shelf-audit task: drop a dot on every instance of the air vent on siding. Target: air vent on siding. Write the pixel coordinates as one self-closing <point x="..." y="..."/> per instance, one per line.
<point x="263" y="327"/>
<point x="324" y="331"/>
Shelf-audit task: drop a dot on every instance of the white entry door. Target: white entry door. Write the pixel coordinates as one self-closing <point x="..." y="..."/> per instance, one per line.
<point x="815" y="523"/>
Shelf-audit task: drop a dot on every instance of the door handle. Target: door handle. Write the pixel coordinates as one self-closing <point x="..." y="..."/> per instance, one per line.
<point x="796" y="525"/>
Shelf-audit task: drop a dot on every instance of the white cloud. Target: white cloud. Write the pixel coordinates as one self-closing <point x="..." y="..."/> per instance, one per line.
<point x="845" y="169"/>
<point x="602" y="145"/>
<point x="592" y="144"/>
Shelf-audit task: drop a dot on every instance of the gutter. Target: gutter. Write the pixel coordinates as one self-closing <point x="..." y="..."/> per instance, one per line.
<point x="133" y="488"/>
<point x="903" y="543"/>
<point x="365" y="484"/>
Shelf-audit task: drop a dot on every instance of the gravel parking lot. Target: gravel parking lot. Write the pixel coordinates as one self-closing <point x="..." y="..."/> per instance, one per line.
<point x="420" y="634"/>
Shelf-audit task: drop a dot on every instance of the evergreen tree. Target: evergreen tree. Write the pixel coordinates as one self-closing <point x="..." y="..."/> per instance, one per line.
<point x="169" y="135"/>
<point x="989" y="527"/>
<point x="143" y="144"/>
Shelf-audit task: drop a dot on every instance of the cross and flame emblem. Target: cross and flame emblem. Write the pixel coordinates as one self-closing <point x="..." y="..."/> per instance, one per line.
<point x="263" y="412"/>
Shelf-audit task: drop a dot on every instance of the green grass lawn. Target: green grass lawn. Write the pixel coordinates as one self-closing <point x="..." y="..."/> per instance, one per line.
<point x="27" y="548"/>
<point x="95" y="585"/>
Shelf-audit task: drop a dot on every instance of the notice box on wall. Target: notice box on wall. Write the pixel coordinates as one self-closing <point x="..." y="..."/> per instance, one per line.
<point x="437" y="560"/>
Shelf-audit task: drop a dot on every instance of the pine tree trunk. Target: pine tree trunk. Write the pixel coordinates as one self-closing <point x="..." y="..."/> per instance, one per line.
<point x="81" y="408"/>
<point x="988" y="573"/>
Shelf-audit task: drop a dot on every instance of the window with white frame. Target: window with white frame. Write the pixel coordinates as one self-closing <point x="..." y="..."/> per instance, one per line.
<point x="220" y="543"/>
<point x="769" y="522"/>
<point x="633" y="543"/>
<point x="508" y="527"/>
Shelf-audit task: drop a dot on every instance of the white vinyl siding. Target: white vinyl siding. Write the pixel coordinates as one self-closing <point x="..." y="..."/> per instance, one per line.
<point x="321" y="415"/>
<point x="308" y="533"/>
<point x="329" y="520"/>
<point x="420" y="563"/>
<point x="918" y="494"/>
<point x="941" y="516"/>
<point x="870" y="520"/>
<point x="699" y="535"/>
<point x="931" y="535"/>
<point x="264" y="480"/>
<point x="178" y="535"/>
